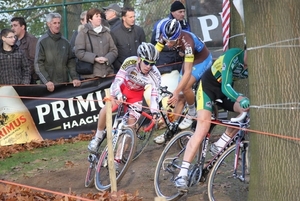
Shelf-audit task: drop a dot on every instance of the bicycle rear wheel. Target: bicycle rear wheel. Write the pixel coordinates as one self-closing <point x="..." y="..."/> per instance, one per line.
<point x="142" y="136"/>
<point x="125" y="148"/>
<point x="168" y="167"/>
<point x="222" y="185"/>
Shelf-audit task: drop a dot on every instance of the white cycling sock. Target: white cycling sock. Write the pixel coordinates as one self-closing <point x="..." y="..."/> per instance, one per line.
<point x="99" y="134"/>
<point x="184" y="168"/>
<point x="192" y="110"/>
<point x="222" y="140"/>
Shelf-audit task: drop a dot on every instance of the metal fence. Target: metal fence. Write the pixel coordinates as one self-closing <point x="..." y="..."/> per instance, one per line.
<point x="147" y="13"/>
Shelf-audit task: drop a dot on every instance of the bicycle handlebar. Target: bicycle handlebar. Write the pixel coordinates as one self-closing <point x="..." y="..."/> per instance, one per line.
<point x="237" y="119"/>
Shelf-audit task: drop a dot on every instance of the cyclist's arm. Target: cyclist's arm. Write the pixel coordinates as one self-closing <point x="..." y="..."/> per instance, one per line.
<point x="187" y="69"/>
<point x="227" y="78"/>
<point x="156" y="83"/>
<point x="187" y="66"/>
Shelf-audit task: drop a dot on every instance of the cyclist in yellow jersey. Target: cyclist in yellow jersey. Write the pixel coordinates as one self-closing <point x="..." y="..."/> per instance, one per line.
<point x="197" y="59"/>
<point x="216" y="83"/>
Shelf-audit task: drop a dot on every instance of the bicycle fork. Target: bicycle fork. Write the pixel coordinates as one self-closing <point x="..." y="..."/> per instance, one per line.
<point x="240" y="146"/>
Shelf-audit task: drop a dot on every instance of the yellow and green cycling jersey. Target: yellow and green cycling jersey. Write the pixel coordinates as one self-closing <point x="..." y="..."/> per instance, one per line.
<point x="228" y="68"/>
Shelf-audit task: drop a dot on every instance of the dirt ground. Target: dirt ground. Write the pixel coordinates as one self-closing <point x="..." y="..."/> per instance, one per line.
<point x="139" y="177"/>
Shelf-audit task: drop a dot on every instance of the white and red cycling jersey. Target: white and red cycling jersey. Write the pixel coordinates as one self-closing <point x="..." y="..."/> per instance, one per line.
<point x="131" y="82"/>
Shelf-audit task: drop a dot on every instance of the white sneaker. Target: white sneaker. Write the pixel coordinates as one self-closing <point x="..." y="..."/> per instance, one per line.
<point x="186" y="122"/>
<point x="93" y="145"/>
<point x="160" y="139"/>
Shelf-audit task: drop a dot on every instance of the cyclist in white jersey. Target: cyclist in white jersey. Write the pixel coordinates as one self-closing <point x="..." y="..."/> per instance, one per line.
<point x="135" y="73"/>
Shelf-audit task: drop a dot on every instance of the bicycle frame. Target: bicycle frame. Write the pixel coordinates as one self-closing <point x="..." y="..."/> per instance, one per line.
<point x="172" y="127"/>
<point x="237" y="138"/>
<point x="120" y="122"/>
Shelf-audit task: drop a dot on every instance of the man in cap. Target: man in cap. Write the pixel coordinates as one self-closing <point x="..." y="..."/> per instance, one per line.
<point x="168" y="56"/>
<point x="112" y="14"/>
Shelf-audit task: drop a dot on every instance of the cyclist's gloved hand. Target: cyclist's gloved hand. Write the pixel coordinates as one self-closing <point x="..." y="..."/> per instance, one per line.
<point x="245" y="103"/>
<point x="120" y="97"/>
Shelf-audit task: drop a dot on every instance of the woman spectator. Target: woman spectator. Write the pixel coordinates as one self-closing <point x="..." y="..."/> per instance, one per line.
<point x="104" y="50"/>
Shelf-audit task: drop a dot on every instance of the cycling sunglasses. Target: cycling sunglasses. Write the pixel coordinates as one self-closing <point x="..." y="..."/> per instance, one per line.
<point x="147" y="62"/>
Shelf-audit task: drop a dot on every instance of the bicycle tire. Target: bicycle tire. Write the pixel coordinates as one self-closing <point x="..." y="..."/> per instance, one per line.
<point x="221" y="183"/>
<point x="102" y="179"/>
<point x="165" y="173"/>
<point x="142" y="137"/>
<point x="90" y="174"/>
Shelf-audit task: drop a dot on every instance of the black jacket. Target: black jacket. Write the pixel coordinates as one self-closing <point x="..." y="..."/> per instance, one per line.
<point x="127" y="42"/>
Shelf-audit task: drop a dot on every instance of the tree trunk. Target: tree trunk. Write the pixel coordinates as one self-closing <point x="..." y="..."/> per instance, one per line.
<point x="274" y="79"/>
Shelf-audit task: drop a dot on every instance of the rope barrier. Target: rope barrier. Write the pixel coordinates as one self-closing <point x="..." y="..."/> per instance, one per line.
<point x="44" y="190"/>
<point x="267" y="106"/>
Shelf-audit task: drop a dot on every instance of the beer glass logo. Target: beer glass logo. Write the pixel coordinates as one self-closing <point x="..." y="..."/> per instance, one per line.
<point x="16" y="123"/>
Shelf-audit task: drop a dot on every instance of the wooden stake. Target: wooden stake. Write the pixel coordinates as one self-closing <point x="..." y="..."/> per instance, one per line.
<point x="111" y="166"/>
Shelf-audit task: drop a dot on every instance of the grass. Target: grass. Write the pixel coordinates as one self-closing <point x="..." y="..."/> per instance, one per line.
<point x="29" y="163"/>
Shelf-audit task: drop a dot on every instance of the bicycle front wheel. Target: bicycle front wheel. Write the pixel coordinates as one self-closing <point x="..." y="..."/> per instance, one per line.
<point x="90" y="174"/>
<point x="124" y="150"/>
<point x="222" y="183"/>
<point x="142" y="136"/>
<point x="168" y="167"/>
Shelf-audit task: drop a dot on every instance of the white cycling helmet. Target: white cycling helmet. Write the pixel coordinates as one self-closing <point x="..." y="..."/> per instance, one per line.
<point x="172" y="30"/>
<point x="147" y="51"/>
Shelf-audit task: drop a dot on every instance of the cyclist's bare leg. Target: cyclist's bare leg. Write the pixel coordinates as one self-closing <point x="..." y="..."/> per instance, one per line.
<point x="203" y="125"/>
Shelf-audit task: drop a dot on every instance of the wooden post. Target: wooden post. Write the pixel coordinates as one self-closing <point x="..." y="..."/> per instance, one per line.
<point x="111" y="166"/>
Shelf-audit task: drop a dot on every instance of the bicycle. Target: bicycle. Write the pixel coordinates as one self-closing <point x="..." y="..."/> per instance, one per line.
<point x="172" y="128"/>
<point x="143" y="136"/>
<point x="124" y="146"/>
<point x="169" y="163"/>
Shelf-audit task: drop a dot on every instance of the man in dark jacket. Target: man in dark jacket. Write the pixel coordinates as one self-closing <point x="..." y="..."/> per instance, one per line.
<point x="54" y="61"/>
<point x="26" y="42"/>
<point x="169" y="55"/>
<point x="112" y="15"/>
<point x="127" y="37"/>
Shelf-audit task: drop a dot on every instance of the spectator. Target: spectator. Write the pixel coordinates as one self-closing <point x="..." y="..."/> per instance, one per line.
<point x="80" y="27"/>
<point x="26" y="42"/>
<point x="170" y="55"/>
<point x="14" y="66"/>
<point x="53" y="61"/>
<point x="112" y="15"/>
<point x="104" y="50"/>
<point x="127" y="37"/>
